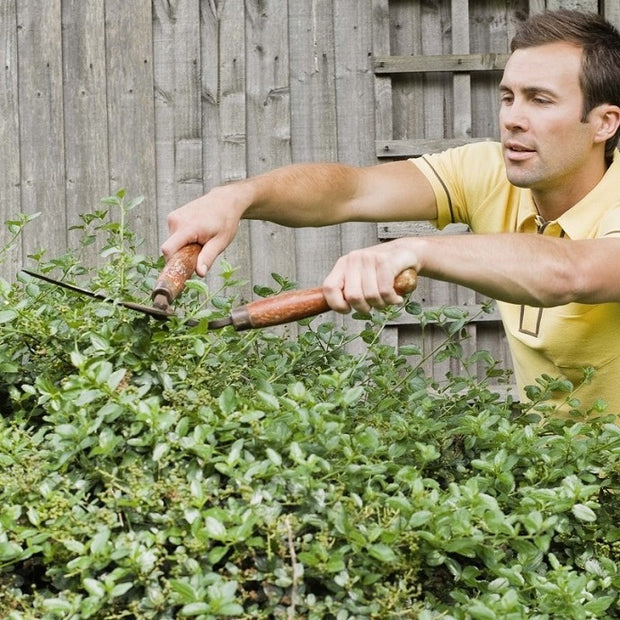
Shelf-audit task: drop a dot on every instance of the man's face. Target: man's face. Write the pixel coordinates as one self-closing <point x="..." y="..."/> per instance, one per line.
<point x="546" y="146"/>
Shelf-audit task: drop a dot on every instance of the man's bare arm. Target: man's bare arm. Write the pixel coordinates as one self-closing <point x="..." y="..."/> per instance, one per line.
<point x="514" y="267"/>
<point x="301" y="195"/>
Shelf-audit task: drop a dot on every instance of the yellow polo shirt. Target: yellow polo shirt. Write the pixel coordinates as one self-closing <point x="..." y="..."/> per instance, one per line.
<point x="471" y="187"/>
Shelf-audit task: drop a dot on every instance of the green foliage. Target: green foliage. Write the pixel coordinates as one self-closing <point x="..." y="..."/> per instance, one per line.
<point x="153" y="470"/>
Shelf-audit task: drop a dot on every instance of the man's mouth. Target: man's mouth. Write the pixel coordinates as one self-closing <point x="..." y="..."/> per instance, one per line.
<point x="516" y="152"/>
<point x="515" y="147"/>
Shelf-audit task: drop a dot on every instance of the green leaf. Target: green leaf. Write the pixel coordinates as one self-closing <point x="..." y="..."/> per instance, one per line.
<point x="420" y="518"/>
<point x="215" y="528"/>
<point x="598" y="605"/>
<point x="57" y="605"/>
<point x="186" y="591"/>
<point x="410" y="349"/>
<point x="352" y="395"/>
<point x="269" y="400"/>
<point x="100" y="540"/>
<point x="194" y="609"/>
<point x="159" y="451"/>
<point x="77" y="359"/>
<point x="75" y="546"/>
<point x="230" y="609"/>
<point x="87" y="396"/>
<point x="227" y="401"/>
<point x="274" y="457"/>
<point x="121" y="589"/>
<point x="479" y="611"/>
<point x="382" y="552"/>
<point x="9" y="551"/>
<point x="115" y="379"/>
<point x="584" y="513"/>
<point x="99" y="343"/>
<point x="94" y="587"/>
<point x="7" y="316"/>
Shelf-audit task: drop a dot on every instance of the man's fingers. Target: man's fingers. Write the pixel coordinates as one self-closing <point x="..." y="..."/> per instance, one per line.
<point x="361" y="281"/>
<point x="206" y="258"/>
<point x="175" y="242"/>
<point x="212" y="247"/>
<point x="333" y="291"/>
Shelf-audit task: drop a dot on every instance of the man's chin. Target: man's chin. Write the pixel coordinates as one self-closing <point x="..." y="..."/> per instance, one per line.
<point x="519" y="180"/>
<point x="519" y="177"/>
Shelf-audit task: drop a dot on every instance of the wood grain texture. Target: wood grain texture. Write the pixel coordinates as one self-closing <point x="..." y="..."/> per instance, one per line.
<point x="299" y="304"/>
<point x="314" y="121"/>
<point x="131" y="111"/>
<point x="10" y="173"/>
<point x="85" y="114"/>
<point x="41" y="123"/>
<point x="224" y="101"/>
<point x="178" y="108"/>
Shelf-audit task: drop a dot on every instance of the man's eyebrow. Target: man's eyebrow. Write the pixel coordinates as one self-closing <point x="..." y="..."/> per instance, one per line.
<point x="529" y="90"/>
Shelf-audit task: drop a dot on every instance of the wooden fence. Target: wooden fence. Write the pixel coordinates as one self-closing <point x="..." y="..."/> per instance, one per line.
<point x="167" y="98"/>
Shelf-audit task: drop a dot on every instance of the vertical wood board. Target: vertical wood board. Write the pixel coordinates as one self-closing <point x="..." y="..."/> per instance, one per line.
<point x="85" y="115"/>
<point x="131" y="115"/>
<point x="10" y="172"/>
<point x="42" y="149"/>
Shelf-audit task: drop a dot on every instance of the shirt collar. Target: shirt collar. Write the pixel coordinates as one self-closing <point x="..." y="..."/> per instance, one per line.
<point x="590" y="208"/>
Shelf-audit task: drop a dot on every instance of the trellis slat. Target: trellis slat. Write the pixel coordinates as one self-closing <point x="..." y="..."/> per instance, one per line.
<point x="448" y="63"/>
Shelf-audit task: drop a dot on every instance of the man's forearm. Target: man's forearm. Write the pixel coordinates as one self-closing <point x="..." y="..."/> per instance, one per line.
<point x="524" y="268"/>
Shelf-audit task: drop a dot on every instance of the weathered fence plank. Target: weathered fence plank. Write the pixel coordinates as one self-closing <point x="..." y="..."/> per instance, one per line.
<point x="384" y="128"/>
<point x="131" y="116"/>
<point x="42" y="148"/>
<point x="353" y="31"/>
<point x="611" y="11"/>
<point x="313" y="121"/>
<point x="460" y="62"/>
<point x="85" y="114"/>
<point x="355" y="91"/>
<point x="9" y="135"/>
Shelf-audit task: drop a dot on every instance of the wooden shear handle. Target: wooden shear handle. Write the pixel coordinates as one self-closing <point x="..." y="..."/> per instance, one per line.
<point x="174" y="275"/>
<point x="300" y="304"/>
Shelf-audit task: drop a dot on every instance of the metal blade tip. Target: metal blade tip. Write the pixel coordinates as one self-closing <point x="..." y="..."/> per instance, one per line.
<point x="219" y="323"/>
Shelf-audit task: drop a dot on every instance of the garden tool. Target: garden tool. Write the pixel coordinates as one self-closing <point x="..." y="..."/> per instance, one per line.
<point x="169" y="285"/>
<point x="294" y="306"/>
<point x="276" y="310"/>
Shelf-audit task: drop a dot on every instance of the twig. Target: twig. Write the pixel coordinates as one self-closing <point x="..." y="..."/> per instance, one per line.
<point x="293" y="555"/>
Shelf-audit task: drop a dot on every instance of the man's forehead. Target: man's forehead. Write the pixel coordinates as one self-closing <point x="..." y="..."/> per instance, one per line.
<point x="546" y="66"/>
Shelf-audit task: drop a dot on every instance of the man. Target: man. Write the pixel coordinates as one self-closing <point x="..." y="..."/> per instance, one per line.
<point x="545" y="203"/>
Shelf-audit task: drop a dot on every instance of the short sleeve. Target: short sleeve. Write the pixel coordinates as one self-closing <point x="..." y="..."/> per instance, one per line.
<point x="462" y="178"/>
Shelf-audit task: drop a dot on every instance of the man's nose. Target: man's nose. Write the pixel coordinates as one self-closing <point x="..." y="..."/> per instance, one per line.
<point x="514" y="117"/>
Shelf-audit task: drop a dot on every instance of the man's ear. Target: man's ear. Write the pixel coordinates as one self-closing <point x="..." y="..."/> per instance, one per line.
<point x="608" y="117"/>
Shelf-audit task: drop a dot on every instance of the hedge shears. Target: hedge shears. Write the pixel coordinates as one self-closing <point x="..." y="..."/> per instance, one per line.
<point x="278" y="309"/>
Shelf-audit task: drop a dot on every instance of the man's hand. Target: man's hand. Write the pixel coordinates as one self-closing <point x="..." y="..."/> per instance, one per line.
<point x="364" y="279"/>
<point x="211" y="220"/>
